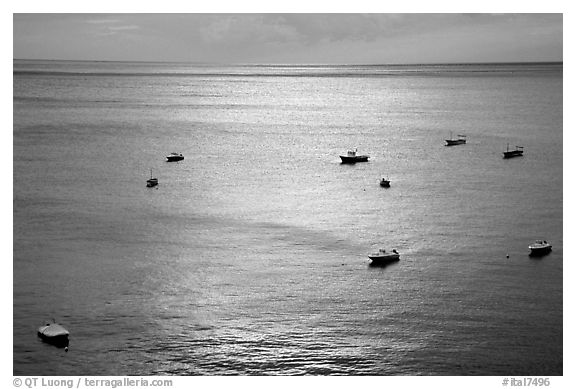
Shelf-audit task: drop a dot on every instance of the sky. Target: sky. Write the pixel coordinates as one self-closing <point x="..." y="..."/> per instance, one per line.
<point x="290" y="38"/>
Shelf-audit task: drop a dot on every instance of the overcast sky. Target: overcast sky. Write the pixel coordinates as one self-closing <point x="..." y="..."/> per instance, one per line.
<point x="290" y="38"/>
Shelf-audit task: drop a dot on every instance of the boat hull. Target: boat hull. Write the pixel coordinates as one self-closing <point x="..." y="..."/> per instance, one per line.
<point x="512" y="154"/>
<point x="152" y="182"/>
<point x="385" y="184"/>
<point x="454" y="142"/>
<point x="384" y="259"/>
<point x="540" y="251"/>
<point x="174" y="158"/>
<point x="358" y="158"/>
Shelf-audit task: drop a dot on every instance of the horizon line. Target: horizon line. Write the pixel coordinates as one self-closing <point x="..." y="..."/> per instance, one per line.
<point x="292" y="64"/>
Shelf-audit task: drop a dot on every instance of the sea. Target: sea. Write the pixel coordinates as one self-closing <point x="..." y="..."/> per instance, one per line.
<point x="250" y="257"/>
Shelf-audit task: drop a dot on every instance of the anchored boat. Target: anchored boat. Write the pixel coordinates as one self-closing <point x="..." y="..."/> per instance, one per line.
<point x="353" y="157"/>
<point x="456" y="141"/>
<point x="539" y="248"/>
<point x="152" y="181"/>
<point x="384" y="257"/>
<point x="518" y="152"/>
<point x="174" y="157"/>
<point x="54" y="333"/>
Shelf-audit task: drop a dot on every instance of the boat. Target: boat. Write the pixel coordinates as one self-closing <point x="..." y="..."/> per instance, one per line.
<point x="518" y="152"/>
<point x="540" y="247"/>
<point x="174" y="157"/>
<point x="458" y="141"/>
<point x="54" y="333"/>
<point x="384" y="183"/>
<point x="152" y="181"/>
<point x="384" y="257"/>
<point x="352" y="157"/>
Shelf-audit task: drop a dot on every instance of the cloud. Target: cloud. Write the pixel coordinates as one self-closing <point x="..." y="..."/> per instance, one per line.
<point x="102" y="21"/>
<point x="247" y="28"/>
<point x="107" y="27"/>
<point x="122" y="28"/>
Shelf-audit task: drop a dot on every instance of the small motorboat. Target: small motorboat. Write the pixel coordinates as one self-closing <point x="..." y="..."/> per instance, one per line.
<point x="54" y="333"/>
<point x="384" y="257"/>
<point x="352" y="157"/>
<point x="384" y="183"/>
<point x="540" y="247"/>
<point x="518" y="152"/>
<point x="456" y="141"/>
<point x="174" y="157"/>
<point x="152" y="181"/>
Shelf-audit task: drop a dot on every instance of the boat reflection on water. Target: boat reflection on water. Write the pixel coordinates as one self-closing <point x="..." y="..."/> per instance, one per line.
<point x="382" y="265"/>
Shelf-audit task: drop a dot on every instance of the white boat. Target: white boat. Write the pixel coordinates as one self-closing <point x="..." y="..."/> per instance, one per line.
<point x="383" y="257"/>
<point x="352" y="157"/>
<point x="174" y="157"/>
<point x="54" y="333"/>
<point x="540" y="247"/>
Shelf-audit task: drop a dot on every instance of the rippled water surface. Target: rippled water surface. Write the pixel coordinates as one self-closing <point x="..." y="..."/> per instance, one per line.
<point x="250" y="257"/>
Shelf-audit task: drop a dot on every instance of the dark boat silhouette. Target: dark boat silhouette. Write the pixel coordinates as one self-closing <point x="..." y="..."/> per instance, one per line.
<point x="174" y="157"/>
<point x="152" y="181"/>
<point x="518" y="152"/>
<point x="458" y="141"/>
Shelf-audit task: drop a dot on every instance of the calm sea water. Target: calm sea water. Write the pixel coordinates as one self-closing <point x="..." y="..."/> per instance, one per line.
<point x="250" y="258"/>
